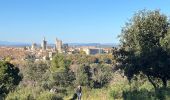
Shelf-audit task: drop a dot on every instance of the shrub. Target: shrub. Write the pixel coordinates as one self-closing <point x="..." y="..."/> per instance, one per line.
<point x="83" y="75"/>
<point x="101" y="75"/>
<point x="32" y="93"/>
<point x="48" y="96"/>
<point x="9" y="77"/>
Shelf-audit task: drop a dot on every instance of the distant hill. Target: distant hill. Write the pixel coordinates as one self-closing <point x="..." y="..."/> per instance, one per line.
<point x="19" y="44"/>
<point x="94" y="44"/>
<point x="13" y="44"/>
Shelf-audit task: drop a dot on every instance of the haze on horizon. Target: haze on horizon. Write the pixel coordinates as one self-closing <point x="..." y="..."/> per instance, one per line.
<point x="73" y="21"/>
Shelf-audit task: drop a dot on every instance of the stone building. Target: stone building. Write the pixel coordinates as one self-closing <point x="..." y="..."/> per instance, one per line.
<point x="44" y="44"/>
<point x="59" y="45"/>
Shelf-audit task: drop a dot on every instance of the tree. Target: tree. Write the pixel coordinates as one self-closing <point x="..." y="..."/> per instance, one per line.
<point x="34" y="71"/>
<point x="93" y="75"/>
<point x="61" y="74"/>
<point x="83" y="75"/>
<point x="58" y="63"/>
<point x="9" y="77"/>
<point x="102" y="75"/>
<point x="63" y="78"/>
<point x="144" y="46"/>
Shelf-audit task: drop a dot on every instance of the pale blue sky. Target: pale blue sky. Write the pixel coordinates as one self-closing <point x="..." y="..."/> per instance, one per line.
<point x="84" y="21"/>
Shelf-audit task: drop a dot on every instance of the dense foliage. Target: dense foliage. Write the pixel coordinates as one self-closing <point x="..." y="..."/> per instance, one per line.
<point x="145" y="47"/>
<point x="9" y="77"/>
<point x="69" y="72"/>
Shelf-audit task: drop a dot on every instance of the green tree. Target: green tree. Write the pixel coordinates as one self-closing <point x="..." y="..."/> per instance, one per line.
<point x="34" y="71"/>
<point x="83" y="75"/>
<point x="143" y="47"/>
<point x="63" y="78"/>
<point x="102" y="75"/>
<point x="9" y="77"/>
<point x="61" y="74"/>
<point x="59" y="63"/>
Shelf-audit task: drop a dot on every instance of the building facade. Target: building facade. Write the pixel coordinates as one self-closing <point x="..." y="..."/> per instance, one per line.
<point x="59" y="45"/>
<point x="44" y="44"/>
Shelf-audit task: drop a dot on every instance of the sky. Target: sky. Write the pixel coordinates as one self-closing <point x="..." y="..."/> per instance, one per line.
<point x="73" y="21"/>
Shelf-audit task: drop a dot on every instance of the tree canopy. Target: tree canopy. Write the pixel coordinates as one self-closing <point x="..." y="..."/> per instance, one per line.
<point x="59" y="63"/>
<point x="145" y="45"/>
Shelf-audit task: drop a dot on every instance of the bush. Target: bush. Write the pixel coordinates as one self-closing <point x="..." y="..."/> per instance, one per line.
<point x="27" y="93"/>
<point x="63" y="79"/>
<point x="101" y="75"/>
<point x="32" y="93"/>
<point x="35" y="70"/>
<point x="48" y="96"/>
<point x="83" y="75"/>
<point x="9" y="77"/>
